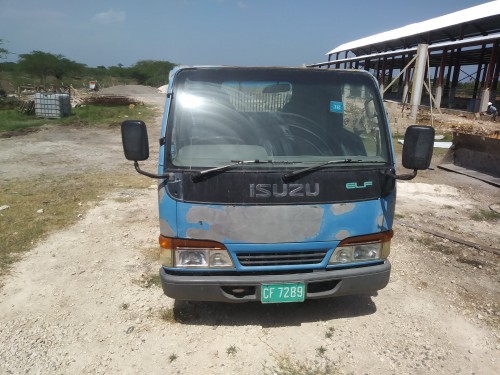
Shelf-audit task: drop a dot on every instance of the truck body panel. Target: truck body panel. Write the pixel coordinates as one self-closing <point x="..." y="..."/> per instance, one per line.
<point x="278" y="223"/>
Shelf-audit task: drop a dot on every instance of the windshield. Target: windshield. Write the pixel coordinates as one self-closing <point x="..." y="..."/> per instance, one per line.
<point x="295" y="116"/>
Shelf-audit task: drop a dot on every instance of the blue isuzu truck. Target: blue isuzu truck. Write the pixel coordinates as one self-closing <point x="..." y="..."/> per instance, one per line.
<point x="275" y="184"/>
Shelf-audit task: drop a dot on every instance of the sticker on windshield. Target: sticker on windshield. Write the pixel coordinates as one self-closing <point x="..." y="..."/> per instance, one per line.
<point x="336" y="107"/>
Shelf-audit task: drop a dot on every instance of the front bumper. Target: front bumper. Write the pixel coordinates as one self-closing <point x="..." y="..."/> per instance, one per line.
<point x="246" y="288"/>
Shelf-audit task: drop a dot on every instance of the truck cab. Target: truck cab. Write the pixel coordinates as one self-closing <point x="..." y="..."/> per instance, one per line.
<point x="275" y="184"/>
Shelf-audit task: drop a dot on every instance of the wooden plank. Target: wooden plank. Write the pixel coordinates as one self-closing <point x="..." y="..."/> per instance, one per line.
<point x="471" y="173"/>
<point x="451" y="238"/>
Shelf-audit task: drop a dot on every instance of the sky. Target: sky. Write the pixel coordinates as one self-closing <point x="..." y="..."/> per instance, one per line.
<point x="203" y="32"/>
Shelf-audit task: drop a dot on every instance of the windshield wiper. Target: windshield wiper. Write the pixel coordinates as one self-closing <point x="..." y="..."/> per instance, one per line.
<point x="287" y="177"/>
<point x="234" y="163"/>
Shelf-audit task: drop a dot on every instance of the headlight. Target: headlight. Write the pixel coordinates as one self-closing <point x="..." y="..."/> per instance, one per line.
<point x="190" y="258"/>
<point x="362" y="248"/>
<point x="183" y="253"/>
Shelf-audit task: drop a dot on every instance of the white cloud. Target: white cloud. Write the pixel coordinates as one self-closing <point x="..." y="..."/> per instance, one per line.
<point x="242" y="5"/>
<point x="108" y="17"/>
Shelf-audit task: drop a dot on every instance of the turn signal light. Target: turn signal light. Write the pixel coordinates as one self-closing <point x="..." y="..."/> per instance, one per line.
<point x="185" y="253"/>
<point x="363" y="248"/>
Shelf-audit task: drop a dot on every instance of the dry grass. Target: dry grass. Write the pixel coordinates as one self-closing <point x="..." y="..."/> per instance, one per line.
<point x="485" y="215"/>
<point x="42" y="205"/>
<point x="286" y="365"/>
<point x="11" y="121"/>
<point x="178" y="314"/>
<point x="232" y="350"/>
<point x="168" y="315"/>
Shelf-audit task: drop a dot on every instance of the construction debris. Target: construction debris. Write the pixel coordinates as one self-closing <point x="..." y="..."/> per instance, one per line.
<point x="476" y="156"/>
<point x="27" y="107"/>
<point x="110" y="100"/>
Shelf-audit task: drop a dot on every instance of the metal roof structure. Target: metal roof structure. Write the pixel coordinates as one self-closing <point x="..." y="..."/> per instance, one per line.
<point x="467" y="38"/>
<point x="437" y="46"/>
<point x="480" y="20"/>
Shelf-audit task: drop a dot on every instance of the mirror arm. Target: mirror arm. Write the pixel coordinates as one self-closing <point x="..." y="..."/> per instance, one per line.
<point x="404" y="177"/>
<point x="407" y="177"/>
<point x="140" y="171"/>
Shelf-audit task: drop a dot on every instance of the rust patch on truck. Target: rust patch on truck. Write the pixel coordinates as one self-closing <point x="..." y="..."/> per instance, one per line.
<point x="166" y="229"/>
<point x="342" y="208"/>
<point x="269" y="224"/>
<point x="342" y="234"/>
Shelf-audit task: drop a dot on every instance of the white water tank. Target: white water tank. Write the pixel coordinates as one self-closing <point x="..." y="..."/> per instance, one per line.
<point x="52" y="105"/>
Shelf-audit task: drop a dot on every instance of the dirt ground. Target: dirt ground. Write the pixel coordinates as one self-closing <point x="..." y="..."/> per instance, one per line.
<point x="85" y="300"/>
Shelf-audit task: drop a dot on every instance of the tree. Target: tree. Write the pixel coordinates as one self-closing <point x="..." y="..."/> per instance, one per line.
<point x="66" y="67"/>
<point x="117" y="71"/>
<point x="43" y="64"/>
<point x="152" y="72"/>
<point x="3" y="51"/>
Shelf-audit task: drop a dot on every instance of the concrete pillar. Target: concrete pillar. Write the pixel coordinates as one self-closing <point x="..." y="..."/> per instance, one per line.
<point x="418" y="79"/>
<point x="391" y="73"/>
<point x="401" y="77"/>
<point x="406" y="85"/>
<point x="438" y="95"/>
<point x="405" y="91"/>
<point x="382" y="77"/>
<point x="454" y="80"/>
<point x="478" y="73"/>
<point x="440" y="79"/>
<point x="483" y="101"/>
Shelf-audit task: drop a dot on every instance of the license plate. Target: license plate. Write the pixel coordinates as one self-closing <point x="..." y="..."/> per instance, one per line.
<point x="280" y="293"/>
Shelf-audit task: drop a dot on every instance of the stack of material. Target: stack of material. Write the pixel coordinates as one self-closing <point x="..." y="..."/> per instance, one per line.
<point x="27" y="107"/>
<point x="110" y="100"/>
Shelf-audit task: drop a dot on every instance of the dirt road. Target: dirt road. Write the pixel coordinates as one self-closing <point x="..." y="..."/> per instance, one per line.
<point x="85" y="300"/>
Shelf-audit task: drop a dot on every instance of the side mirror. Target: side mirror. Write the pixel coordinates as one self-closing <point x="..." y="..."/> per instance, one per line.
<point x="136" y="145"/>
<point x="418" y="147"/>
<point x="135" y="140"/>
<point x="417" y="150"/>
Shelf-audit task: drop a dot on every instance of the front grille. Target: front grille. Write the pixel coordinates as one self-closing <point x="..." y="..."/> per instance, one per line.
<point x="281" y="258"/>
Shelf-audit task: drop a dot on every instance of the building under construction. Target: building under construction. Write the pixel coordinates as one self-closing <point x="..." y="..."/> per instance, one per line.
<point x="463" y="64"/>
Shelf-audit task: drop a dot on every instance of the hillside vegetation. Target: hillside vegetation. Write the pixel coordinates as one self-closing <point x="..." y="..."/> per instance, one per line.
<point x="43" y="71"/>
<point x="46" y="70"/>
